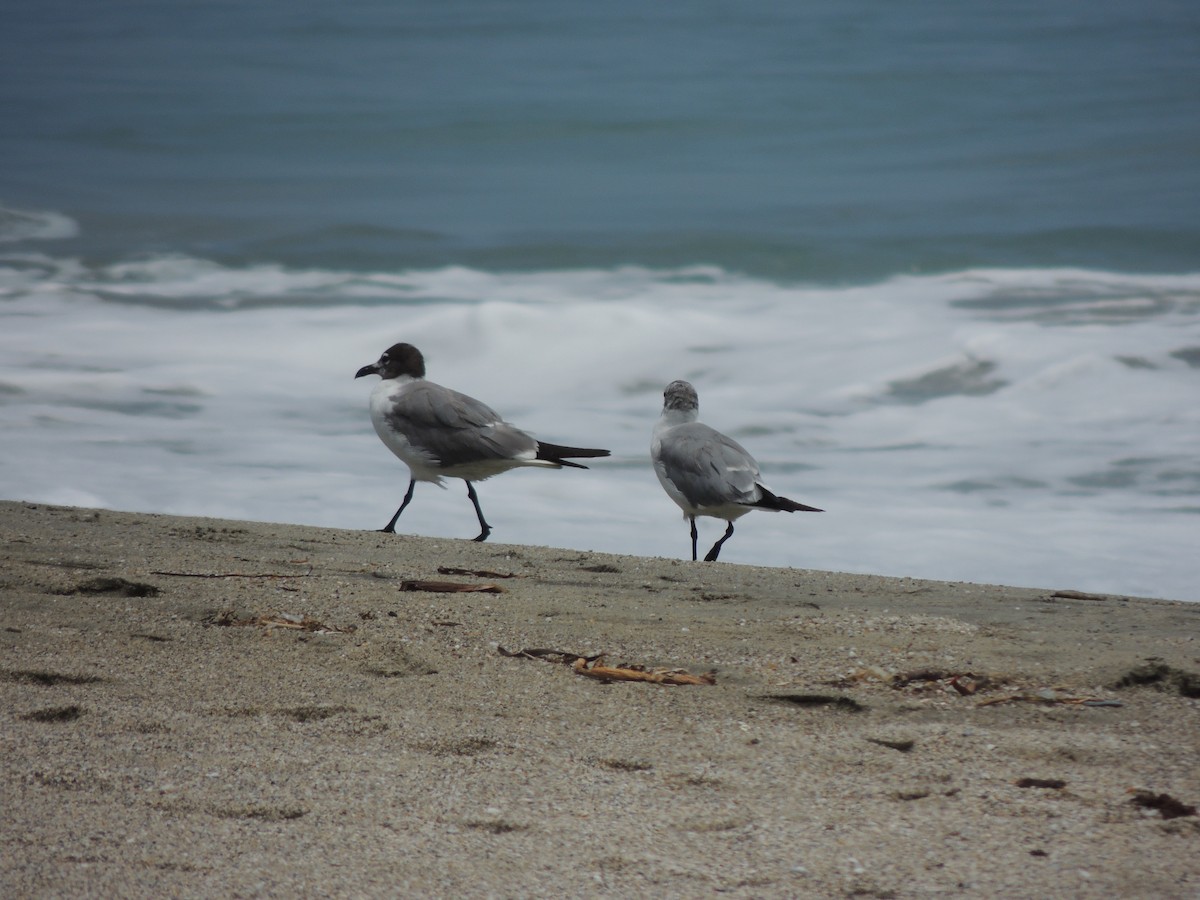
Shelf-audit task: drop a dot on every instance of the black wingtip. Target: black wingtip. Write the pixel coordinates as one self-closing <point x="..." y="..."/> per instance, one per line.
<point x="557" y="453"/>
<point x="782" y="504"/>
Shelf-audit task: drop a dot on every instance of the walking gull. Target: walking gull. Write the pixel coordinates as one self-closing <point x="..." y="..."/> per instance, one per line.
<point x="439" y="433"/>
<point x="705" y="472"/>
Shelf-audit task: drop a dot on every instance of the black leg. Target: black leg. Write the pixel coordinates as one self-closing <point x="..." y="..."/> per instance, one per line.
<point x="487" y="529"/>
<point x="390" y="527"/>
<point x="694" y="536"/>
<point x="716" y="548"/>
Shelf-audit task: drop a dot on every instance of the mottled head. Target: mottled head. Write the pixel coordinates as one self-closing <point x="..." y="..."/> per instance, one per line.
<point x="679" y="395"/>
<point x="397" y="360"/>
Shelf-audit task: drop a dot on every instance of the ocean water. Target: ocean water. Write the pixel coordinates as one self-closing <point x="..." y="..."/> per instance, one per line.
<point x="937" y="268"/>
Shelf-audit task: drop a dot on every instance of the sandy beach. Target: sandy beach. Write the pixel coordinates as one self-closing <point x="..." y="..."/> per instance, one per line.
<point x="206" y="708"/>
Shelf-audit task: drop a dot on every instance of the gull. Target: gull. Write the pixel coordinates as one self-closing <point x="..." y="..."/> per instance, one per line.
<point x="705" y="472"/>
<point x="439" y="433"/>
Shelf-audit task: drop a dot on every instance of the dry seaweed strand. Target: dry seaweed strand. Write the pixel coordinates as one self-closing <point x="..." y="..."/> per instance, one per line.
<point x="906" y="678"/>
<point x="1039" y="698"/>
<point x="565" y="657"/>
<point x="640" y="673"/>
<point x="227" y="618"/>
<point x="474" y="573"/>
<point x="1079" y="595"/>
<point x="832" y="701"/>
<point x="235" y="574"/>
<point x="1052" y="784"/>
<point x="592" y="667"/>
<point x="966" y="683"/>
<point x="450" y="587"/>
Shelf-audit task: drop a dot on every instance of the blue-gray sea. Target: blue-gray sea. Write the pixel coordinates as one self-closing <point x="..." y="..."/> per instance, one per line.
<point x="937" y="265"/>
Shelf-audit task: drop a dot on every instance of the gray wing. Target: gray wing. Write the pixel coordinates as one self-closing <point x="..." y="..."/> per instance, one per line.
<point x="707" y="467"/>
<point x="455" y="429"/>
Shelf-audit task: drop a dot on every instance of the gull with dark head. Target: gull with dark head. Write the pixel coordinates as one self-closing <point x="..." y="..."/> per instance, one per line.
<point x="705" y="472"/>
<point x="439" y="433"/>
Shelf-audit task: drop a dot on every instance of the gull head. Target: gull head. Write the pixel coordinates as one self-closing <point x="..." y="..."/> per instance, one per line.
<point x="680" y="395"/>
<point x="397" y="360"/>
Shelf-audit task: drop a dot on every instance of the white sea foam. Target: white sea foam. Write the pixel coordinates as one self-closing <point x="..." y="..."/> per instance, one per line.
<point x="35" y="225"/>
<point x="1026" y="427"/>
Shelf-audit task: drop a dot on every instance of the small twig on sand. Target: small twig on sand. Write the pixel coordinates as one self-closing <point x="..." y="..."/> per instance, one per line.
<point x="234" y="574"/>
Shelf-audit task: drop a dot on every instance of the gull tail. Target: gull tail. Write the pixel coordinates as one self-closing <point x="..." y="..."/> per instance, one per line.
<point x="783" y="504"/>
<point x="557" y="454"/>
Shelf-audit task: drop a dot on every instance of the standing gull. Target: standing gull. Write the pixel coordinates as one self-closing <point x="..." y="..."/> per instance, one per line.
<point x="438" y="432"/>
<point x="705" y="472"/>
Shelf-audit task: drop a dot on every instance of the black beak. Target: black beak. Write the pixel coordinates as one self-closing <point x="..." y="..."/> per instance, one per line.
<point x="372" y="369"/>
